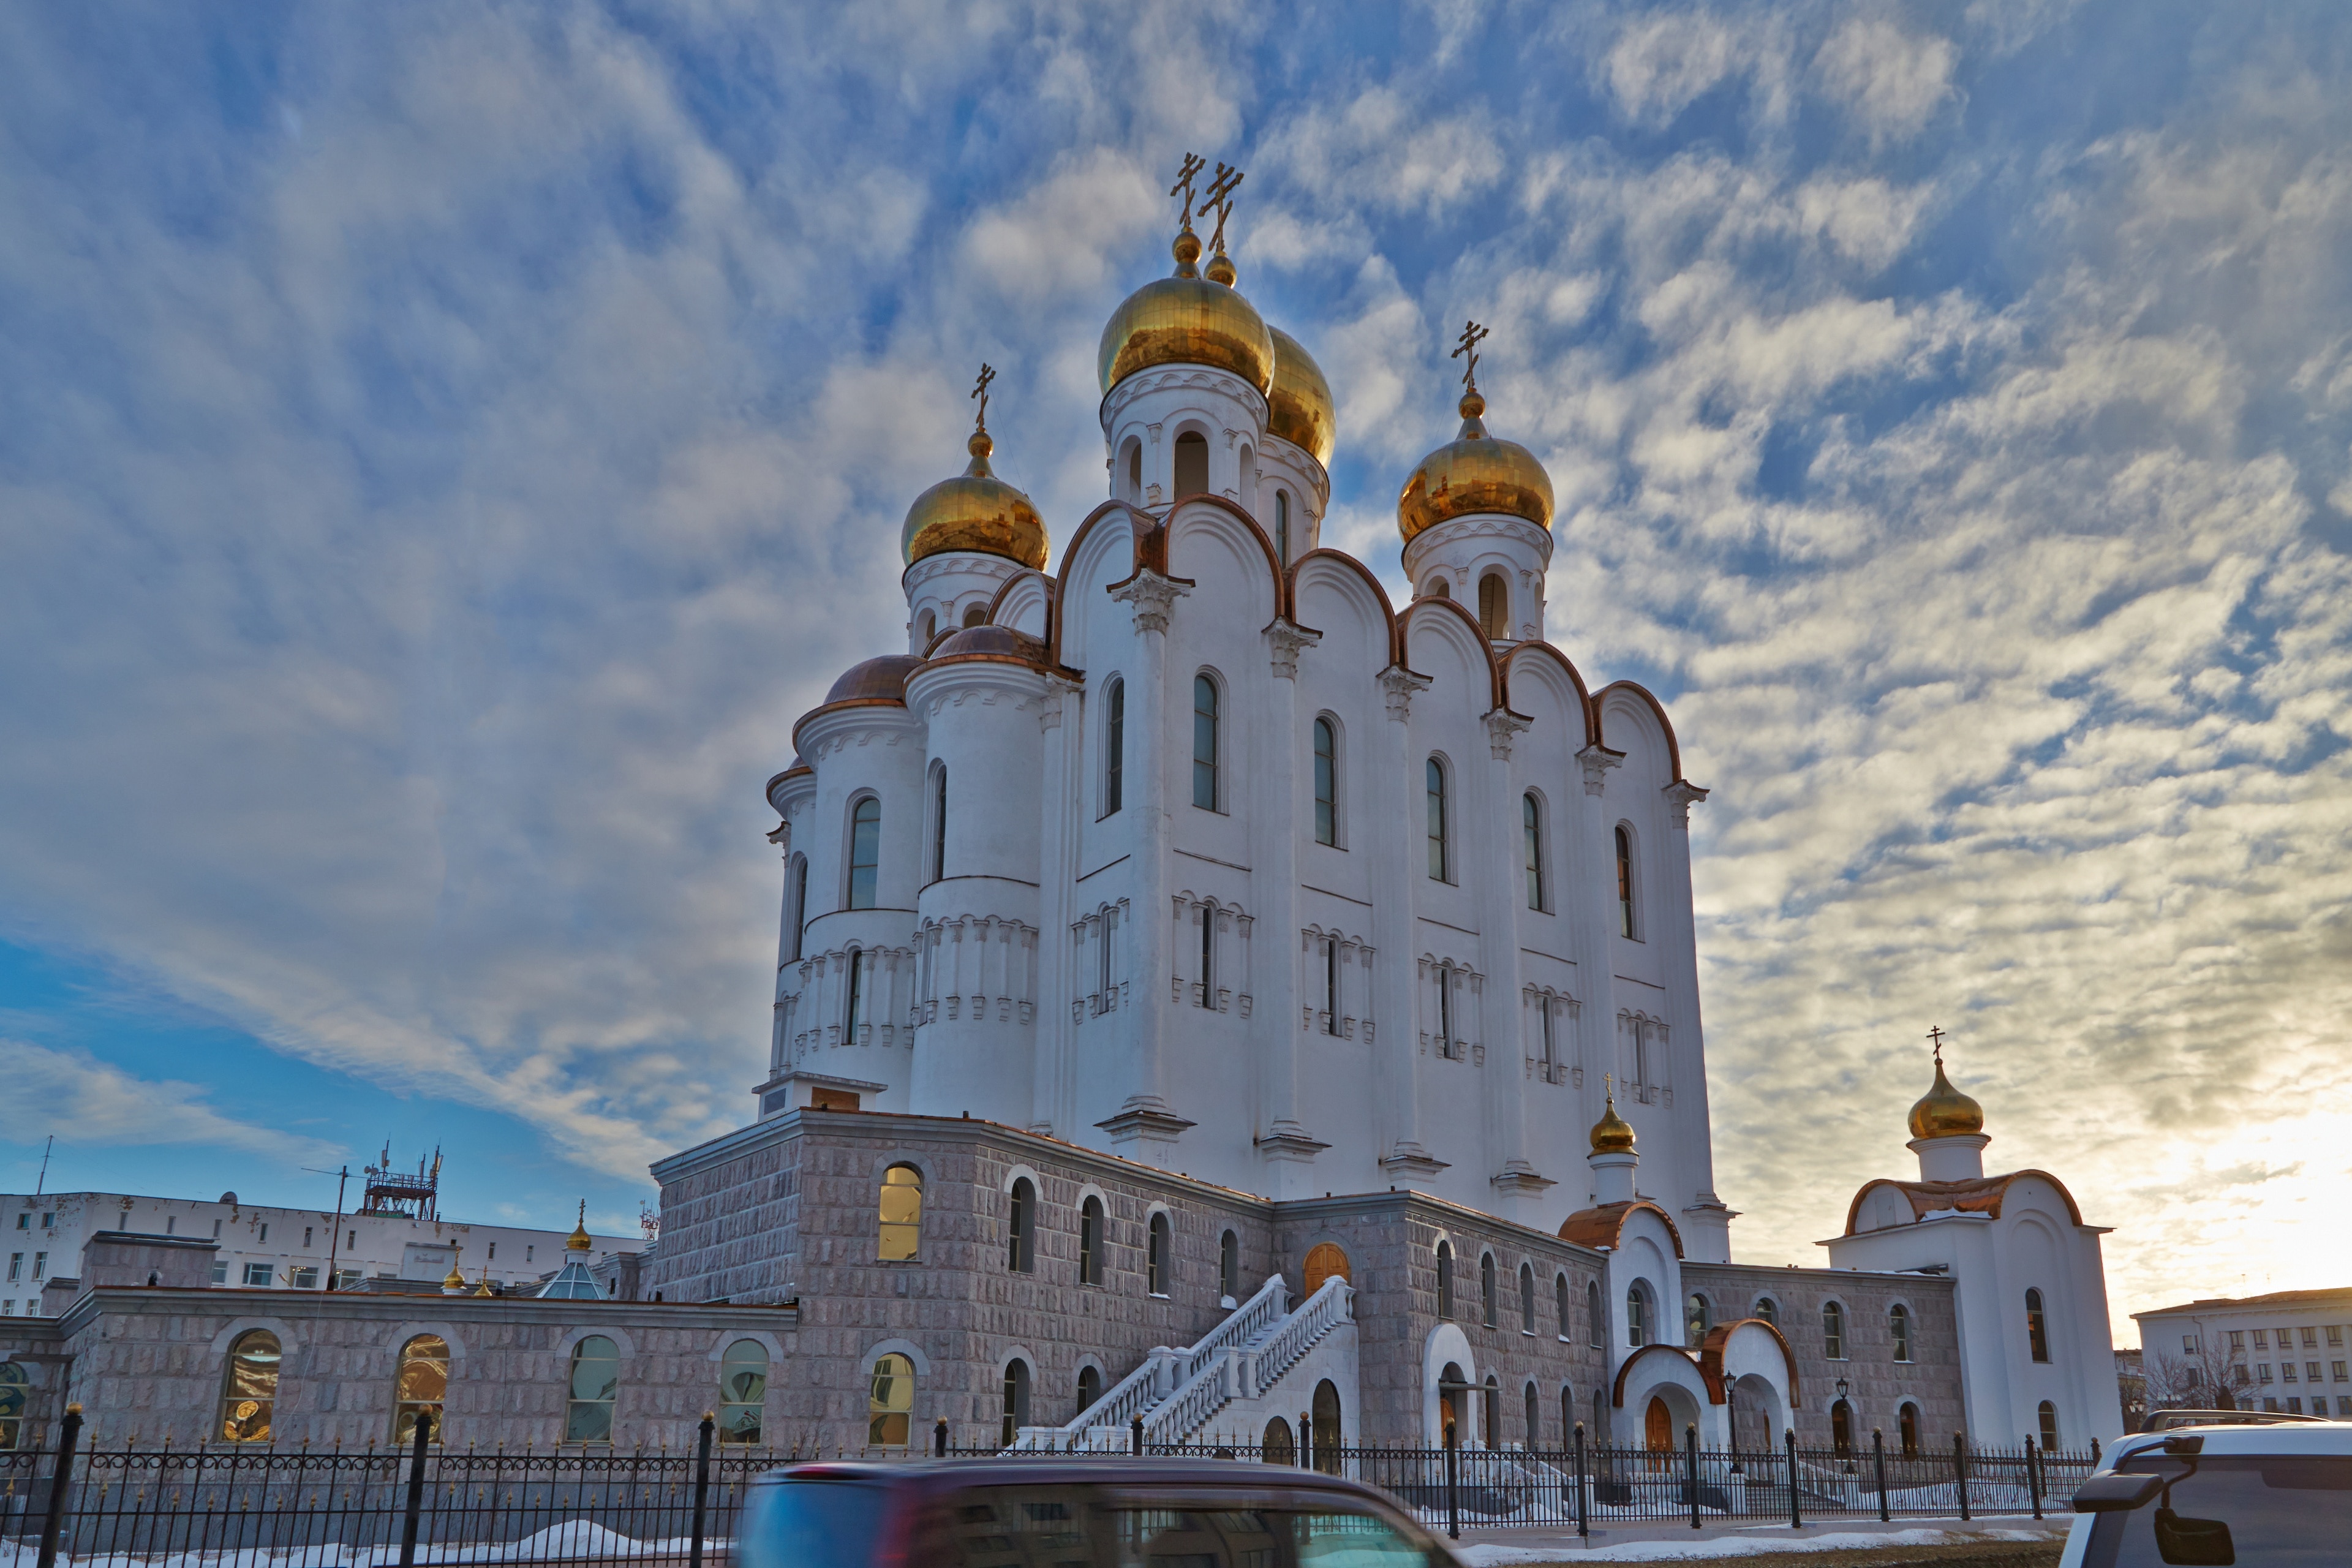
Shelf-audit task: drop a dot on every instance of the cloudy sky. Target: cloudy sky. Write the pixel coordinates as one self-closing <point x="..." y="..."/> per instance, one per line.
<point x="442" y="448"/>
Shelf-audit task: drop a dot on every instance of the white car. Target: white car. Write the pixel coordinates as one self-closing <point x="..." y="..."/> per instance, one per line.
<point x="2261" y="1494"/>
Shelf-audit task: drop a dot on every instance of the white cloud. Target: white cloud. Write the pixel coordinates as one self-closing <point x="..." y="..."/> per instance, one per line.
<point x="1892" y="81"/>
<point x="107" y="1108"/>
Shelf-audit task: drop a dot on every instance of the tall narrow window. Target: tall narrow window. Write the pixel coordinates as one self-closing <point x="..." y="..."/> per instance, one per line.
<point x="864" y="851"/>
<point x="249" y="1388"/>
<point x="1531" y="829"/>
<point x="1330" y="985"/>
<point x="420" y="1386"/>
<point x="1191" y="464"/>
<point x="1434" y="782"/>
<point x="853" y="1004"/>
<point x="1907" y="1430"/>
<point x="1326" y="783"/>
<point x="1444" y="1280"/>
<point x="1105" y="981"/>
<point x="940" y="824"/>
<point x="1229" y="1265"/>
<point x="1637" y="1317"/>
<point x="14" y="1393"/>
<point x="1016" y="1401"/>
<point x="1486" y="1289"/>
<point x="2037" y="1327"/>
<point x="1535" y="1415"/>
<point x="1158" y="1265"/>
<point x="890" y="1403"/>
<point x="1444" y="1008"/>
<point x="1841" y="1430"/>
<point x="1021" y="1228"/>
<point x="930" y="630"/>
<point x="742" y="1390"/>
<point x="2049" y="1414"/>
<point x="796" y="908"/>
<point x="1495" y="607"/>
<point x="1282" y="525"/>
<point x="1491" y="1416"/>
<point x="1559" y="1306"/>
<point x="1596" y="1326"/>
<point x="1698" y="1316"/>
<point x="1625" y="883"/>
<point x="595" y="1389"/>
<point x="1550" y="1048"/>
<point x="1089" y="1387"/>
<point x="1832" y="1331"/>
<point x="1135" y="473"/>
<point x="1526" y="1299"/>
<point x="1205" y="742"/>
<point x="902" y="1215"/>
<point x="1090" y="1242"/>
<point x="1898" y="1329"/>
<point x="1114" y="746"/>
<point x="1208" y="958"/>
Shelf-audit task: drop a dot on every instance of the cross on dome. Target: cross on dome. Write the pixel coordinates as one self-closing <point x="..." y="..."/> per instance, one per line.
<point x="1466" y="349"/>
<point x="980" y="390"/>
<point x="1193" y="164"/>
<point x="1220" y="200"/>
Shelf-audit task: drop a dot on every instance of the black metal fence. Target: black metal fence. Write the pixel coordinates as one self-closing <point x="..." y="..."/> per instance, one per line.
<point x="316" y="1509"/>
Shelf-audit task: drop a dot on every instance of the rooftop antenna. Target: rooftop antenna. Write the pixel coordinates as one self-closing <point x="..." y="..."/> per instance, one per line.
<point x="44" y="1181"/>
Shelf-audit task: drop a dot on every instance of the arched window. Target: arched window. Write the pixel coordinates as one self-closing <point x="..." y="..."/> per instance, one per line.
<point x="249" y="1388"/>
<point x="1434" y="780"/>
<point x="977" y="616"/>
<point x="1567" y="1416"/>
<point x="1114" y="746"/>
<point x="14" y="1384"/>
<point x="1486" y="1289"/>
<point x="1527" y="1300"/>
<point x="796" y="908"/>
<point x="742" y="1390"/>
<point x="1191" y="464"/>
<point x="595" y="1389"/>
<point x="1326" y="1406"/>
<point x="1495" y="607"/>
<point x="1559" y="1305"/>
<point x="2037" y="1327"/>
<point x="1596" y="1325"/>
<point x="1089" y="1387"/>
<point x="1229" y="1265"/>
<point x="1021" y="1228"/>
<point x="1205" y="742"/>
<point x="1832" y="1331"/>
<point x="852" y="1011"/>
<point x="929" y="630"/>
<point x="902" y="1215"/>
<point x="864" y="851"/>
<point x="1531" y="830"/>
<point x="1326" y="783"/>
<point x="1135" y="473"/>
<point x="1159" y="1262"/>
<point x="1275" y="1445"/>
<point x="1637" y="1315"/>
<point x="1841" y="1429"/>
<point x="1282" y="525"/>
<point x="890" y="1403"/>
<point x="1898" y="1329"/>
<point x="1534" y="1406"/>
<point x="1332" y="1022"/>
<point x="1444" y="1280"/>
<point x="1248" y="476"/>
<point x="1491" y="1416"/>
<point x="1625" y="926"/>
<point x="1698" y="1316"/>
<point x="1090" y="1242"/>
<point x="1907" y="1423"/>
<point x="938" y="821"/>
<point x="1767" y="1308"/>
<point x="420" y="1386"/>
<point x="1438" y="588"/>
<point x="2049" y="1414"/>
<point x="1016" y="1400"/>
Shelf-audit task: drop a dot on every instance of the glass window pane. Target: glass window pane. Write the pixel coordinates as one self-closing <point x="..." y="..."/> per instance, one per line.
<point x="864" y="852"/>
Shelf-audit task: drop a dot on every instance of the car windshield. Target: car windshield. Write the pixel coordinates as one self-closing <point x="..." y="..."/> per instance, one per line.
<point x="818" y="1522"/>
<point x="2274" y="1512"/>
<point x="1070" y="1527"/>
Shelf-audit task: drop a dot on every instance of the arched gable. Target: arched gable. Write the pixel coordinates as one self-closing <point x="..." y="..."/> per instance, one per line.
<point x="1025" y="603"/>
<point x="1459" y="631"/>
<point x="1103" y="551"/>
<point x="1981" y="1195"/>
<point x="1712" y="1349"/>
<point x="1534" y="667"/>
<point x="1348" y="579"/>
<point x="1629" y="697"/>
<point x="1221" y="519"/>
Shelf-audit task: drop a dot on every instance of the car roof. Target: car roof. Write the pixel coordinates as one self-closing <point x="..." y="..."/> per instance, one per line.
<point x="1182" y="1475"/>
<point x="2284" y="1437"/>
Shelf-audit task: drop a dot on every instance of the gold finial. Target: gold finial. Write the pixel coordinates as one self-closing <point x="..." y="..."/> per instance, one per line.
<point x="1220" y="200"/>
<point x="484" y="1288"/>
<point x="1187" y="249"/>
<point x="1612" y="1134"/>
<point x="1944" y="1111"/>
<point x="455" y="1280"/>
<point x="579" y="1240"/>
<point x="1466" y="349"/>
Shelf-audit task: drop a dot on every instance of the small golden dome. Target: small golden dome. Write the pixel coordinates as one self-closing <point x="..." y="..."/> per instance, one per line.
<point x="1186" y="320"/>
<point x="1474" y="473"/>
<point x="579" y="1240"/>
<point x="1300" y="407"/>
<point x="1612" y="1134"/>
<point x="454" y="1279"/>
<point x="484" y="1288"/>
<point x="1944" y="1111"/>
<point x="974" y="510"/>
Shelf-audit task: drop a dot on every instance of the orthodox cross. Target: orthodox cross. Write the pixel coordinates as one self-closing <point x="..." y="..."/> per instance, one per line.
<point x="1608" y="1087"/>
<point x="1473" y="334"/>
<point x="1935" y="1036"/>
<point x="1221" y="198"/>
<point x="1193" y="164"/>
<point x="979" y="390"/>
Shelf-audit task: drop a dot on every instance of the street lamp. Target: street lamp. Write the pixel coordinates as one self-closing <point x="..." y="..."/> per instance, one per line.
<point x="1849" y="1427"/>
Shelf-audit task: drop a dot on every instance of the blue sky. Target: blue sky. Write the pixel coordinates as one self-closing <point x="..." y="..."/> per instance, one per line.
<point x="443" y="448"/>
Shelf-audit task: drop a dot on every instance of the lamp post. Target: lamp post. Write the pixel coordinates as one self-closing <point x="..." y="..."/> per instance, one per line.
<point x="1848" y="1455"/>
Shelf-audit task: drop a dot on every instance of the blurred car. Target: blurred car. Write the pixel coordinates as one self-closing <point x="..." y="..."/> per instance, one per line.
<point x="2214" y="1489"/>
<point x="1050" y="1512"/>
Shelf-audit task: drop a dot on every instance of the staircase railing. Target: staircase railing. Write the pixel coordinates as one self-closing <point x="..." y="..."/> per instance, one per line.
<point x="1332" y="1304"/>
<point x="1164" y="1371"/>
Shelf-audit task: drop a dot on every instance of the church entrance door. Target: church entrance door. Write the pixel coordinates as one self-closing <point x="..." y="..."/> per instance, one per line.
<point x="1658" y="1427"/>
<point x="1323" y="1260"/>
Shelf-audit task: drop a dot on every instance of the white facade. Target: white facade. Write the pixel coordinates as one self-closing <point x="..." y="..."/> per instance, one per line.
<point x="261" y="1247"/>
<point x="2286" y="1350"/>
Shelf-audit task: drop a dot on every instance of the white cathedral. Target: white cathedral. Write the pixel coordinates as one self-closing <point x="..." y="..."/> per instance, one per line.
<point x="1181" y="843"/>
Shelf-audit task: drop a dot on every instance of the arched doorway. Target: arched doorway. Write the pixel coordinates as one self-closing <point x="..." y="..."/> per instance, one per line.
<point x="1755" y="1415"/>
<point x="1275" y="1447"/>
<point x="1327" y="1428"/>
<point x="1452" y="1393"/>
<point x="1323" y="1260"/>
<point x="1841" y="1429"/>
<point x="1658" y="1427"/>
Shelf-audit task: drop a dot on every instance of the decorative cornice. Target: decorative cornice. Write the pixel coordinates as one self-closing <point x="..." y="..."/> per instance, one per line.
<point x="1410" y="1159"/>
<point x="1517" y="1177"/>
<point x="1398" y="684"/>
<point x="1462" y="530"/>
<point x="1152" y="595"/>
<point x="1502" y="727"/>
<point x="1288" y="1140"/>
<point x="1598" y="760"/>
<point x="957" y="562"/>
<point x="1180" y="378"/>
<point x="1681" y="795"/>
<point x="1145" y="1117"/>
<point x="1284" y="640"/>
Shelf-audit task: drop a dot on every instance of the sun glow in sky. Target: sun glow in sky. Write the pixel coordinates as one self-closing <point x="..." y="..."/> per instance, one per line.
<point x="443" y="448"/>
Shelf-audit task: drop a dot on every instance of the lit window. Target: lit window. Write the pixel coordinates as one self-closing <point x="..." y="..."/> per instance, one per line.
<point x="1898" y="1328"/>
<point x="902" y="1213"/>
<point x="1326" y="783"/>
<point x="864" y="851"/>
<point x="249" y="1388"/>
<point x="742" y="1390"/>
<point x="1016" y="1400"/>
<point x="595" y="1388"/>
<point x="1205" y="742"/>
<point x="13" y="1396"/>
<point x="2037" y="1331"/>
<point x="1832" y="1331"/>
<point x="1907" y="1424"/>
<point x="890" y="1403"/>
<point x="420" y="1387"/>
<point x="1434" y="784"/>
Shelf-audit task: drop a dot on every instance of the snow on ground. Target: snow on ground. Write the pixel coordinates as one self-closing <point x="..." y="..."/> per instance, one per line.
<point x="1497" y="1556"/>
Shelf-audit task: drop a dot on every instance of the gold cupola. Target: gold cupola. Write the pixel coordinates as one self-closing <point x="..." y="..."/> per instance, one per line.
<point x="1187" y="319"/>
<point x="579" y="1240"/>
<point x="1944" y="1111"/>
<point x="975" y="511"/>
<point x="1474" y="472"/>
<point x="1612" y="1134"/>
<point x="1298" y="409"/>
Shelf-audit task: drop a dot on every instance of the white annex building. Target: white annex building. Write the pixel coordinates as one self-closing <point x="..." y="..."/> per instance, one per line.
<point x="1178" y="840"/>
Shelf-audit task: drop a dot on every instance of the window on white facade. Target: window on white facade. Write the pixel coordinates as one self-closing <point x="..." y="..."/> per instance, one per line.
<point x="1433" y="785"/>
<point x="1326" y="783"/>
<point x="1531" y="832"/>
<point x="1627" y="925"/>
<point x="864" y="851"/>
<point x="2037" y="1329"/>
<point x="1282" y="525"/>
<point x="1191" y="464"/>
<point x="938" y="821"/>
<point x="1114" y="746"/>
<point x="257" y="1274"/>
<point x="853" y="1006"/>
<point x="1495" y="606"/>
<point x="1205" y="742"/>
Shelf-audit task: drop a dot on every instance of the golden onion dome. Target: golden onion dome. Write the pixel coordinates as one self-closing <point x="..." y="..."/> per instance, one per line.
<point x="1612" y="1134"/>
<point x="579" y="1240"/>
<point x="1474" y="473"/>
<point x="1186" y="319"/>
<point x="1298" y="409"/>
<point x="454" y="1281"/>
<point x="975" y="511"/>
<point x="1944" y="1111"/>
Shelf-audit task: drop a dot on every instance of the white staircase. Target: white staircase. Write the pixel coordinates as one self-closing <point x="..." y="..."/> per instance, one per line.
<point x="1179" y="1392"/>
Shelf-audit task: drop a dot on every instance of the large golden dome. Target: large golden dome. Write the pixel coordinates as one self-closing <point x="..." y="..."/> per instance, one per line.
<point x="1186" y="320"/>
<point x="1944" y="1111"/>
<point x="1474" y="473"/>
<point x="975" y="511"/>
<point x="1300" y="407"/>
